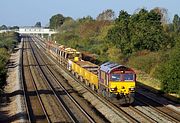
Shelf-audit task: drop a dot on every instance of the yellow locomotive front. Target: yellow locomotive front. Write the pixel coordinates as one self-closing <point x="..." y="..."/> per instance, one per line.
<point x="117" y="81"/>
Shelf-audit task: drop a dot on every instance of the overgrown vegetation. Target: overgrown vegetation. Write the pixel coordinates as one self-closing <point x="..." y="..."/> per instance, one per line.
<point x="144" y="40"/>
<point x="169" y="71"/>
<point x="7" y="43"/>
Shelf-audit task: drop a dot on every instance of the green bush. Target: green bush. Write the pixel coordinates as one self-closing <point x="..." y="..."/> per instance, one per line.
<point x="169" y="72"/>
<point x="144" y="60"/>
<point x="7" y="43"/>
<point x="3" y="60"/>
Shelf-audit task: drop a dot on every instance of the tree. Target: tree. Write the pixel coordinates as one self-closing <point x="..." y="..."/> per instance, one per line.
<point x="14" y="27"/>
<point x="120" y="34"/>
<point x="38" y="24"/>
<point x="86" y="19"/>
<point x="106" y="15"/>
<point x="163" y="12"/>
<point x="176" y="24"/>
<point x="169" y="71"/>
<point x="56" y="21"/>
<point x="114" y="54"/>
<point x="7" y="43"/>
<point x="68" y="26"/>
<point x="146" y="31"/>
<point x="69" y="19"/>
<point x="3" y="27"/>
<point x="3" y="60"/>
<point x="140" y="31"/>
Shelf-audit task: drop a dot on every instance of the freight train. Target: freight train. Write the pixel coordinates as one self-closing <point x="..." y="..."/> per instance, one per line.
<point x="114" y="81"/>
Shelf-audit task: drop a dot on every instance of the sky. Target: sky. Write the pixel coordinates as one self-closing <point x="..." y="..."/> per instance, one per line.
<point x="28" y="12"/>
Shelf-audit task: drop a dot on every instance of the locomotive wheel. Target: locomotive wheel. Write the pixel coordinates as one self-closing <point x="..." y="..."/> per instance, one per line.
<point x="128" y="99"/>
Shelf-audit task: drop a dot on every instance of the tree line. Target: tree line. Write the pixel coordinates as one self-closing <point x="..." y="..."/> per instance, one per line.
<point x="144" y="40"/>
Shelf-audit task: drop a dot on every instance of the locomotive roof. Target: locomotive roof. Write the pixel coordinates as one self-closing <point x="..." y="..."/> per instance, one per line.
<point x="109" y="66"/>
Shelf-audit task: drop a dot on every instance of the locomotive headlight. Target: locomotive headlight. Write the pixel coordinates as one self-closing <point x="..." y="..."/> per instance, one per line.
<point x="131" y="89"/>
<point x="114" y="89"/>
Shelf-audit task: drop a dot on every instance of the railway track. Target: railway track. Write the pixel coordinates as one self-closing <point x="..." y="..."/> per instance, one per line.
<point x="54" y="112"/>
<point x="136" y="114"/>
<point x="159" y="98"/>
<point x="166" y="113"/>
<point x="78" y="115"/>
<point x="55" y="107"/>
<point x="31" y="94"/>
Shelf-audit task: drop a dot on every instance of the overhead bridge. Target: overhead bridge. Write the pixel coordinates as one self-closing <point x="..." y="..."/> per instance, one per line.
<point x="35" y="30"/>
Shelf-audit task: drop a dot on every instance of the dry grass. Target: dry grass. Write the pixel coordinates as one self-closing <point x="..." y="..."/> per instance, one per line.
<point x="149" y="81"/>
<point x="146" y="79"/>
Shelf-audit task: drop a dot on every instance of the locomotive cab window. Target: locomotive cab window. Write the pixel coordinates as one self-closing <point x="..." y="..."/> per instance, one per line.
<point x="128" y="77"/>
<point x="115" y="77"/>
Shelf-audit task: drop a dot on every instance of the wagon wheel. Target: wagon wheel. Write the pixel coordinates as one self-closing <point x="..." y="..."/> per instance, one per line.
<point x="76" y="75"/>
<point x="81" y="78"/>
<point x="86" y="82"/>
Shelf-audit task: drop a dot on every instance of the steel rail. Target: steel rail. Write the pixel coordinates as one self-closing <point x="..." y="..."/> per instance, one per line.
<point x="71" y="116"/>
<point x="37" y="93"/>
<point x="22" y="78"/>
<point x="169" y="116"/>
<point x="72" y="99"/>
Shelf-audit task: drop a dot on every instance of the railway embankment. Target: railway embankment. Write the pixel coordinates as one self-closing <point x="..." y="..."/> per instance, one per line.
<point x="145" y="81"/>
<point x="11" y="109"/>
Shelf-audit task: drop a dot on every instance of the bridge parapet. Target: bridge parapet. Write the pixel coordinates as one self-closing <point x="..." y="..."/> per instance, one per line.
<point x="35" y="30"/>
